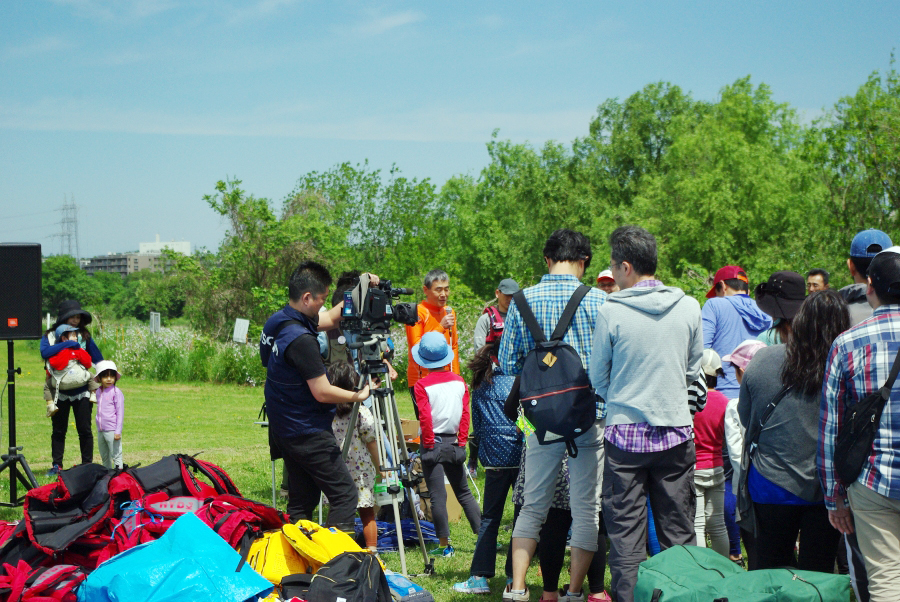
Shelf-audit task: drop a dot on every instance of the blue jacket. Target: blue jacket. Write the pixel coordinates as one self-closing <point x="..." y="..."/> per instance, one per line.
<point x="48" y="350"/>
<point x="500" y="443"/>
<point x="290" y="406"/>
<point x="728" y="322"/>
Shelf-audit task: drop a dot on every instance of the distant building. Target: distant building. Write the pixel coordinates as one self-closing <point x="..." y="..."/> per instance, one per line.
<point x="155" y="248"/>
<point x="111" y="262"/>
<point x="149" y="258"/>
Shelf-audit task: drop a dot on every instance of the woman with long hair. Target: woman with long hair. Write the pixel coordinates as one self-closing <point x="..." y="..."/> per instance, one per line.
<point x="779" y="404"/>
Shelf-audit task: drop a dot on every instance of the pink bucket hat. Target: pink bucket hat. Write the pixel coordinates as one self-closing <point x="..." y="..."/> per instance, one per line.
<point x="743" y="353"/>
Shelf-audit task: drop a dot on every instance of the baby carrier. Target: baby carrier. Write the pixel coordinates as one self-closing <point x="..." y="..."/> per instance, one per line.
<point x="74" y="375"/>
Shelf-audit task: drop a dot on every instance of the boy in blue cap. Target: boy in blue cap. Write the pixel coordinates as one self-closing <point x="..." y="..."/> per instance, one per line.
<point x="442" y="398"/>
<point x="866" y="245"/>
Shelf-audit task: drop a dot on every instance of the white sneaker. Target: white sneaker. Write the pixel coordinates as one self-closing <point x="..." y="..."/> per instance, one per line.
<point x="511" y="596"/>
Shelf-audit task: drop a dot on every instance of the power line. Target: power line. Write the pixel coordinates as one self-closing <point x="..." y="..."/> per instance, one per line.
<point x="44" y="226"/>
<point x="6" y="217"/>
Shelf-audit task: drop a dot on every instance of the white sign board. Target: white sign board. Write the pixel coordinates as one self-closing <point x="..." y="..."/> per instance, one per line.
<point x="154" y="321"/>
<point x="241" y="326"/>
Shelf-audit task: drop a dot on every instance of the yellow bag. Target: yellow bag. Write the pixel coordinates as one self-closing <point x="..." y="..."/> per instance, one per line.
<point x="273" y="557"/>
<point x="316" y="544"/>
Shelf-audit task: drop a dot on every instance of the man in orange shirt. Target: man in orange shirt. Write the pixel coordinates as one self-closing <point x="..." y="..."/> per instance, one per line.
<point x="434" y="316"/>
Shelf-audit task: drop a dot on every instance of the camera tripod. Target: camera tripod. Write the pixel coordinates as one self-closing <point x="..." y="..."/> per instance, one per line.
<point x="393" y="457"/>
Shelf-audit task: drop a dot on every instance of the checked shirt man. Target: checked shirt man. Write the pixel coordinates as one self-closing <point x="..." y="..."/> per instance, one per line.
<point x="567" y="254"/>
<point x="858" y="365"/>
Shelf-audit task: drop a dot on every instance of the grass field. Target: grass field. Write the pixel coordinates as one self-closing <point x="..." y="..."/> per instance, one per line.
<point x="162" y="418"/>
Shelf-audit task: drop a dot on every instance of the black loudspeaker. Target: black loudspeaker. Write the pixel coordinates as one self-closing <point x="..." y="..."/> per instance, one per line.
<point x="20" y="291"/>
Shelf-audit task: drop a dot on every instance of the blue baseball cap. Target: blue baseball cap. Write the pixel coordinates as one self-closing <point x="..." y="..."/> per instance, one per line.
<point x="62" y="329"/>
<point x="869" y="243"/>
<point x="432" y="351"/>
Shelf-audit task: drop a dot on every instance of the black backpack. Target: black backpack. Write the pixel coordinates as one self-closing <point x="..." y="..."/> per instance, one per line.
<point x="553" y="389"/>
<point x="350" y="577"/>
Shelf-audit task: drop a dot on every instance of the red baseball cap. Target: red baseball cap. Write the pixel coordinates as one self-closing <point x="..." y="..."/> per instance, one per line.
<point x="729" y="272"/>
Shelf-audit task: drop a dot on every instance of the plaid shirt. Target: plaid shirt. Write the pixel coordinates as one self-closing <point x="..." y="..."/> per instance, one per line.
<point x="641" y="437"/>
<point x="547" y="300"/>
<point x="858" y="365"/>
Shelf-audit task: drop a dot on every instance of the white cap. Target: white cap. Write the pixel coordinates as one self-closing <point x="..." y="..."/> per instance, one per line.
<point x="605" y="274"/>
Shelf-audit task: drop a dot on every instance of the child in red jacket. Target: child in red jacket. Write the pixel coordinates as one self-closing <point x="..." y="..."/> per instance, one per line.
<point x="70" y="367"/>
<point x="443" y="402"/>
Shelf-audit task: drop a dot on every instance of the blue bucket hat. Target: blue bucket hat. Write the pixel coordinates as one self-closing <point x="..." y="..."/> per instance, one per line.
<point x="62" y="329"/>
<point x="432" y="351"/>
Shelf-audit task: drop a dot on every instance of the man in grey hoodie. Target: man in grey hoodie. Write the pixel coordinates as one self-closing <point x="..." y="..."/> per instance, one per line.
<point x="730" y="317"/>
<point x="648" y="345"/>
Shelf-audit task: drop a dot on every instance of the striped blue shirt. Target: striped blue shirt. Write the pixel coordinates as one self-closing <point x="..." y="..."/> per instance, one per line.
<point x="859" y="364"/>
<point x="547" y="300"/>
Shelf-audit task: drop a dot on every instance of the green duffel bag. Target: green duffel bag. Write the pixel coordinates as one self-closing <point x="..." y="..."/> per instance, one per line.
<point x="692" y="574"/>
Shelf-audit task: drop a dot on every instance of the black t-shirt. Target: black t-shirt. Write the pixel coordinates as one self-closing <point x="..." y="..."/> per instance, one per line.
<point x="303" y="355"/>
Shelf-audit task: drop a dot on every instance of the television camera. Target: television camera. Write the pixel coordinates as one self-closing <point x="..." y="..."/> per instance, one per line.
<point x="371" y="309"/>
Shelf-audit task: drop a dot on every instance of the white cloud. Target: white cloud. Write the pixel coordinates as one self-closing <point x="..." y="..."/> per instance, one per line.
<point x="380" y="25"/>
<point x="257" y="10"/>
<point x="119" y="10"/>
<point x="44" y="45"/>
<point x="294" y="120"/>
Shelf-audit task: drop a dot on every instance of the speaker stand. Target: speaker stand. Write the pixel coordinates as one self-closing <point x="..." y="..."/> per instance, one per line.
<point x="19" y="471"/>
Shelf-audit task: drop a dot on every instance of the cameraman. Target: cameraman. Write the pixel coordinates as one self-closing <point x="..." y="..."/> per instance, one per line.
<point x="300" y="402"/>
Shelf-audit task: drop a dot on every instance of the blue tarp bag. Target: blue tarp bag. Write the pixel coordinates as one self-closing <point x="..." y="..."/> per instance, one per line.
<point x="189" y="562"/>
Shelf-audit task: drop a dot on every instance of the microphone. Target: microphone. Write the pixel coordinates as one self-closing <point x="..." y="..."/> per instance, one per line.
<point x="449" y="311"/>
<point x="404" y="291"/>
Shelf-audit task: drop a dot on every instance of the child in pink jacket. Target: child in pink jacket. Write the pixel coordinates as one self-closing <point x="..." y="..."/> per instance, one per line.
<point x="110" y="412"/>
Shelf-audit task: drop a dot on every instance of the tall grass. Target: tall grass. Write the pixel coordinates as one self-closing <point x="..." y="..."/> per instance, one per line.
<point x="182" y="355"/>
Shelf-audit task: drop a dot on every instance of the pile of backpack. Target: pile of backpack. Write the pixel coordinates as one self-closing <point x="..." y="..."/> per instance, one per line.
<point x="93" y="526"/>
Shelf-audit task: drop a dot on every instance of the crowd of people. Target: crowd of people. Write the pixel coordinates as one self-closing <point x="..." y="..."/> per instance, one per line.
<point x="716" y="422"/>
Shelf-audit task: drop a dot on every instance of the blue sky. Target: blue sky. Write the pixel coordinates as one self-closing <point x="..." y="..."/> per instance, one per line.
<point x="135" y="108"/>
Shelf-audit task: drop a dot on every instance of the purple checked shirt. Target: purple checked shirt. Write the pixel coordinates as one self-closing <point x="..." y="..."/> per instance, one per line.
<point x="641" y="437"/>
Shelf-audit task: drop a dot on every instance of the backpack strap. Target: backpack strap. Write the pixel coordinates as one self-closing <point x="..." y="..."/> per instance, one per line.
<point x="528" y="316"/>
<point x="767" y="413"/>
<point x="569" y="312"/>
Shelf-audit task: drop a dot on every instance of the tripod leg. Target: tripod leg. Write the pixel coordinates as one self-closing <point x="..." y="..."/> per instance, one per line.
<point x="273" y="483"/>
<point x="392" y="438"/>
<point x="404" y="461"/>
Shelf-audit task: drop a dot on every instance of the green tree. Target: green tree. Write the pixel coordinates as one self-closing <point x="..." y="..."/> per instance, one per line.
<point x="258" y="252"/>
<point x="732" y="189"/>
<point x="629" y="140"/>
<point x="502" y="219"/>
<point x="390" y="226"/>
<point x="106" y="286"/>
<point x="62" y="279"/>
<point x="855" y="151"/>
<point x="147" y="291"/>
